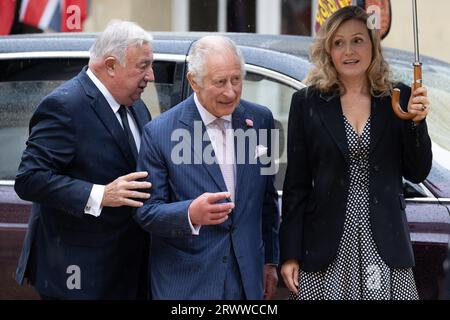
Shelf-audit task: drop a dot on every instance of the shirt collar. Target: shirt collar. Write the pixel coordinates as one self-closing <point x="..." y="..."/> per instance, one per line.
<point x="105" y="92"/>
<point x="206" y="116"/>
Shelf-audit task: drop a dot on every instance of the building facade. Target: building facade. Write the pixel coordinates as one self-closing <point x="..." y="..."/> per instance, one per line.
<point x="270" y="17"/>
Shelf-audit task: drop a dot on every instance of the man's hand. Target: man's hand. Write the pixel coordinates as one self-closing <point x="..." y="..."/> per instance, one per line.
<point x="122" y="191"/>
<point x="289" y="272"/>
<point x="270" y="281"/>
<point x="205" y="211"/>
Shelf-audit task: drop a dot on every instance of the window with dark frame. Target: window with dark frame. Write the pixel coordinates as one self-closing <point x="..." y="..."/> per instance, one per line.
<point x="296" y="17"/>
<point x="241" y="16"/>
<point x="203" y="15"/>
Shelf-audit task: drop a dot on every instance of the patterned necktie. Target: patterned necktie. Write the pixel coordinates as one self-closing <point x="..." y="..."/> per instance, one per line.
<point x="127" y="130"/>
<point x="226" y="164"/>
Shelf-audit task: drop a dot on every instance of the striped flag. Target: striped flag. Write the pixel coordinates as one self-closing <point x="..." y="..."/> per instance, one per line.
<point x="58" y="15"/>
<point x="7" y="11"/>
<point x="38" y="13"/>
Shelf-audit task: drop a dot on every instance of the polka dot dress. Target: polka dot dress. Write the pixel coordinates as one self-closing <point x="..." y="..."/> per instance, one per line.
<point x="358" y="272"/>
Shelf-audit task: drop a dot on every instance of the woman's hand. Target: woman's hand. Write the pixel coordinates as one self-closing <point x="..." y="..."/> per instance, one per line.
<point x="419" y="104"/>
<point x="289" y="272"/>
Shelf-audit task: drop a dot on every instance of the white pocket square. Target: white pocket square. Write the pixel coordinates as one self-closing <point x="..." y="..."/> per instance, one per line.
<point x="260" y="150"/>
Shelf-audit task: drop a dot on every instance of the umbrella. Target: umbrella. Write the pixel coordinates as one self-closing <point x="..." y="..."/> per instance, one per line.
<point x="417" y="71"/>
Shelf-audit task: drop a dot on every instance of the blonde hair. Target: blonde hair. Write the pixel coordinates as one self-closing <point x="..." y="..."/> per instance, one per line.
<point x="323" y="74"/>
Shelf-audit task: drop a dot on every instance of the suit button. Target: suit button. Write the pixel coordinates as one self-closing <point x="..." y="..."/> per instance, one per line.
<point x="224" y="259"/>
<point x="375" y="200"/>
<point x="376" y="168"/>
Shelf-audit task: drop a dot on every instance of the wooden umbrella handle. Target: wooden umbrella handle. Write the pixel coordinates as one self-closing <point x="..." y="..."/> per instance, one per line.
<point x="396" y="94"/>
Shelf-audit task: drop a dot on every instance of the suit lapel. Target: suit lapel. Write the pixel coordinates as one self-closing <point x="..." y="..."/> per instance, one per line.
<point x="189" y="117"/>
<point x="106" y="116"/>
<point x="331" y="113"/>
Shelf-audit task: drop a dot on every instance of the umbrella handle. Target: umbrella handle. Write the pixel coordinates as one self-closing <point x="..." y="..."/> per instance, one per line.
<point x="396" y="94"/>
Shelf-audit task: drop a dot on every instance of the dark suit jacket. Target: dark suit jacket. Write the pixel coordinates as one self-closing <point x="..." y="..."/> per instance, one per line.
<point x="186" y="266"/>
<point x="76" y="141"/>
<point x="317" y="179"/>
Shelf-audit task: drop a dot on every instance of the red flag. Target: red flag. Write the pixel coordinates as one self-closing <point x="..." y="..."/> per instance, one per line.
<point x="37" y="13"/>
<point x="7" y="10"/>
<point x="74" y="12"/>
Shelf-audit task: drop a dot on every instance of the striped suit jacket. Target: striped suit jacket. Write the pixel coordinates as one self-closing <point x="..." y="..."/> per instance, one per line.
<point x="185" y="266"/>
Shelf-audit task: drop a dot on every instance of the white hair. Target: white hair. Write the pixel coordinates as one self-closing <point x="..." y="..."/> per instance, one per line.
<point x="207" y="46"/>
<point x="116" y="38"/>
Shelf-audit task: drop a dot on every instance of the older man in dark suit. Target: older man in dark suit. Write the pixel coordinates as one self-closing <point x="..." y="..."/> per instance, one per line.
<point x="213" y="217"/>
<point x="78" y="169"/>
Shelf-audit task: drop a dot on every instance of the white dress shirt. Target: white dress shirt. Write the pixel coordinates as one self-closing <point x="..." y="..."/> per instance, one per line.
<point x="215" y="136"/>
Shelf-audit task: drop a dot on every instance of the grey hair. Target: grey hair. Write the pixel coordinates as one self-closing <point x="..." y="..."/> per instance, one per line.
<point x="116" y="38"/>
<point x="210" y="45"/>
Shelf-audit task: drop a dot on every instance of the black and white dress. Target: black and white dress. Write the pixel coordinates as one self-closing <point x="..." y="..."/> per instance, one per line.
<point x="358" y="272"/>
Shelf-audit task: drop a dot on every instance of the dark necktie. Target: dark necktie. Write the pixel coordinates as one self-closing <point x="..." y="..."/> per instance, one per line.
<point x="127" y="130"/>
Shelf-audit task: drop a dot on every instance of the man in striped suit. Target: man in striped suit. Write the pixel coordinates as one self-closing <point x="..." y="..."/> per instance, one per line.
<point x="213" y="214"/>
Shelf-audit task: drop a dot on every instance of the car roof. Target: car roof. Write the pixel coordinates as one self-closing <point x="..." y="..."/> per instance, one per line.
<point x="287" y="54"/>
<point x="294" y="45"/>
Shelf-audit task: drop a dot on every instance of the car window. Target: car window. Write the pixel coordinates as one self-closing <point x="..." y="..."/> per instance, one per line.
<point x="276" y="96"/>
<point x="24" y="82"/>
<point x="436" y="76"/>
<point x="17" y="102"/>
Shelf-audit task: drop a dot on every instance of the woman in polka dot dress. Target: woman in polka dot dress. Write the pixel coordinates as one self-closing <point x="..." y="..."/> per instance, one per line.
<point x="344" y="233"/>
